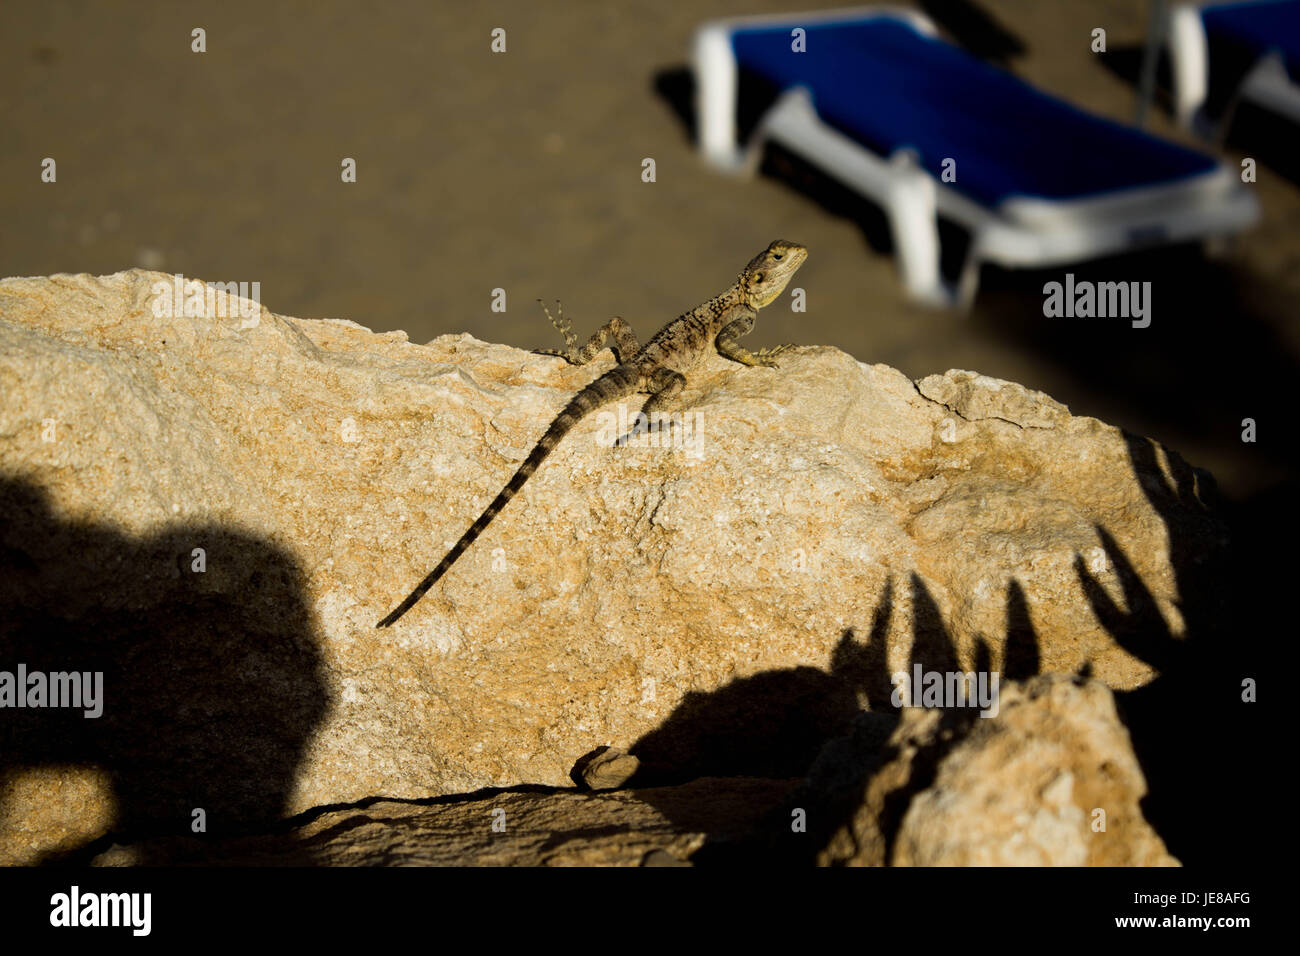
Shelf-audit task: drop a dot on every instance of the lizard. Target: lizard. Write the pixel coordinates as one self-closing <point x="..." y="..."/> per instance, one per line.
<point x="658" y="368"/>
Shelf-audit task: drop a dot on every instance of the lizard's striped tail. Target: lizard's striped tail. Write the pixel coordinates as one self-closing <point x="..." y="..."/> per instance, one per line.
<point x="616" y="383"/>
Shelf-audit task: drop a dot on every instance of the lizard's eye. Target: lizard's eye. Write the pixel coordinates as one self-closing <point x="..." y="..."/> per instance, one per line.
<point x="777" y="256"/>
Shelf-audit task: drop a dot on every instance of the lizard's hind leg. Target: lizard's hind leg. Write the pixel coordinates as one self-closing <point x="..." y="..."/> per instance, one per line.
<point x="625" y="341"/>
<point x="666" y="388"/>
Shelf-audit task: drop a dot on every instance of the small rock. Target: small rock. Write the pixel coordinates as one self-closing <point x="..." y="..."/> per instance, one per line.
<point x="609" y="770"/>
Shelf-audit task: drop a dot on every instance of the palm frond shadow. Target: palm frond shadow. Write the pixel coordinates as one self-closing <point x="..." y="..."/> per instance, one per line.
<point x="1190" y="720"/>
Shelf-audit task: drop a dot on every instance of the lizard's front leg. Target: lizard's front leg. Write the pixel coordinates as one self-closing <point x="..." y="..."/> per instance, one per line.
<point x="728" y="347"/>
<point x="625" y="343"/>
<point x="665" y="387"/>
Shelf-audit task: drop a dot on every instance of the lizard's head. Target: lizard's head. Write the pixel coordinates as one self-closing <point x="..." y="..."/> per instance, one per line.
<point x="768" y="272"/>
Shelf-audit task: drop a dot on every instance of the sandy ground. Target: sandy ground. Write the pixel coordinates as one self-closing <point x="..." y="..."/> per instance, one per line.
<point x="522" y="171"/>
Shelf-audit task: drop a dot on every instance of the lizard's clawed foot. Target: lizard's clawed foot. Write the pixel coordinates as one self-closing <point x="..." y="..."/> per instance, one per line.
<point x="642" y="425"/>
<point x="766" y="357"/>
<point x="565" y="328"/>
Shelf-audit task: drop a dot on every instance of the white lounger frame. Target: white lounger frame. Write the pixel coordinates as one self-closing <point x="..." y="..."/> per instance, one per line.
<point x="1267" y="84"/>
<point x="1019" y="233"/>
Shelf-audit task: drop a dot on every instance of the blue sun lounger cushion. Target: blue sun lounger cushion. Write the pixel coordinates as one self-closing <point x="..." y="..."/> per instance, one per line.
<point x="924" y="128"/>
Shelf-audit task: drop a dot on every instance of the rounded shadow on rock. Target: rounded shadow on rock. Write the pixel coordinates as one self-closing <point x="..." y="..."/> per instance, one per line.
<point x="767" y="729"/>
<point x="212" y="681"/>
<point x="771" y="724"/>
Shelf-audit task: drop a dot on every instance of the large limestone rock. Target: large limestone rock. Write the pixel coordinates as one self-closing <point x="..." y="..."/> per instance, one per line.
<point x="215" y="512"/>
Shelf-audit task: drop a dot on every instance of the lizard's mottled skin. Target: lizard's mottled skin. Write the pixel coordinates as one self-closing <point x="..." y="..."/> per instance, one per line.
<point x="659" y="368"/>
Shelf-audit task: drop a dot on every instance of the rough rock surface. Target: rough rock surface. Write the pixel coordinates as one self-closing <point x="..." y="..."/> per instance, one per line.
<point x="1032" y="786"/>
<point x="215" y="511"/>
<point x="657" y="827"/>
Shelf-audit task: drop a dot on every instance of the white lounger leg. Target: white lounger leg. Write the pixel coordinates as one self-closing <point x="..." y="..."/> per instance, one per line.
<point x="716" y="89"/>
<point x="1189" y="60"/>
<point x="915" y="226"/>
